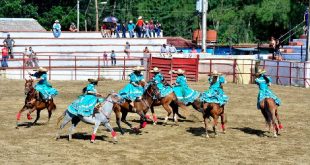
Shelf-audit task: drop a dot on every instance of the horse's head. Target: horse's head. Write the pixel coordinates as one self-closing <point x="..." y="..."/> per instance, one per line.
<point x="152" y="90"/>
<point x="28" y="86"/>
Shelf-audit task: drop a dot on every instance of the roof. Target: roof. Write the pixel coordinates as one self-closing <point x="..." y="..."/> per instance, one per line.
<point x="179" y="42"/>
<point x="20" y="24"/>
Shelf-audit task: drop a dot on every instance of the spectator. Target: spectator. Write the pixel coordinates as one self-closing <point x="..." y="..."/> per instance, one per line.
<point x="163" y="49"/>
<point x="56" y="29"/>
<point x="27" y="59"/>
<point x="131" y="27"/>
<point x="146" y="56"/>
<point x="193" y="50"/>
<point x="172" y="49"/>
<point x="33" y="57"/>
<point x="117" y="29"/>
<point x="105" y="32"/>
<point x="127" y="49"/>
<point x="113" y="58"/>
<point x="152" y="28"/>
<point x="146" y="29"/>
<point x="123" y="27"/>
<point x="9" y="42"/>
<point x="105" y="58"/>
<point x="272" y="46"/>
<point x="306" y="19"/>
<point x="158" y="29"/>
<point x="73" y="28"/>
<point x="139" y="26"/>
<point x="5" y="54"/>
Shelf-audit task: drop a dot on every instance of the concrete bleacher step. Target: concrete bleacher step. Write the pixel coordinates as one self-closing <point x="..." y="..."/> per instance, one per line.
<point x="304" y="41"/>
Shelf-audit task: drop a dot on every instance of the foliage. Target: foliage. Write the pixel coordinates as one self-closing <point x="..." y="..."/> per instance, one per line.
<point x="235" y="20"/>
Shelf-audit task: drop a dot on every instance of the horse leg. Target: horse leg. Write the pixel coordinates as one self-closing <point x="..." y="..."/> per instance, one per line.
<point x="37" y="118"/>
<point x="75" y="121"/>
<point x="215" y="119"/>
<point x="118" y="120"/>
<point x="143" y="120"/>
<point x="154" y="115"/>
<point x="279" y="123"/>
<point x="206" y="125"/>
<point x="29" y="113"/>
<point x="123" y="119"/>
<point x="93" y="135"/>
<point x="66" y="120"/>
<point x="19" y="114"/>
<point x="168" y="108"/>
<point x="49" y="115"/>
<point x="223" y="120"/>
<point x="108" y="126"/>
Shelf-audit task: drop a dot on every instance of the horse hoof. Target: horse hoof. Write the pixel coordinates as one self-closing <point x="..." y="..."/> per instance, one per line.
<point x="92" y="141"/>
<point x="154" y="123"/>
<point x="224" y="132"/>
<point x="207" y="136"/>
<point x="275" y="135"/>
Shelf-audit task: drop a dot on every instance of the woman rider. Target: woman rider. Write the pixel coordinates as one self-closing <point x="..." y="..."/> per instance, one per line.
<point x="46" y="92"/>
<point x="159" y="79"/>
<point x="264" y="92"/>
<point x="215" y="94"/>
<point x="86" y="102"/>
<point x="133" y="90"/>
<point x="181" y="89"/>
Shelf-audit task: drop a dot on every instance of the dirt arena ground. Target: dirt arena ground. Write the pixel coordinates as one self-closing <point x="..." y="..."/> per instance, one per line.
<point x="244" y="143"/>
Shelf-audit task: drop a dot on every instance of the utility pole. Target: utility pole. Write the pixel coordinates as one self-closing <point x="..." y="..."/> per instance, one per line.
<point x="78" y="15"/>
<point x="97" y="16"/>
<point x="204" y="23"/>
<point x="308" y="36"/>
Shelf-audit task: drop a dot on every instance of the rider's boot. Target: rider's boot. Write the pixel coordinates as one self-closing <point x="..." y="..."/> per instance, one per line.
<point x="133" y="106"/>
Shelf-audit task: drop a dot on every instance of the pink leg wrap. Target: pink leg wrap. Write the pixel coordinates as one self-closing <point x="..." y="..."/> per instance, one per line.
<point x="147" y="116"/>
<point x="275" y="126"/>
<point x="280" y="126"/>
<point x="144" y="124"/>
<point x="223" y="126"/>
<point x="113" y="133"/>
<point x="18" y="116"/>
<point x="155" y="118"/>
<point x="29" y="116"/>
<point x="93" y="137"/>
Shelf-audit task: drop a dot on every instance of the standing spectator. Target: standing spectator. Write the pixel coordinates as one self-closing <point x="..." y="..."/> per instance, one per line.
<point x="117" y="30"/>
<point x="73" y="28"/>
<point x="105" y="32"/>
<point x="5" y="54"/>
<point x="56" y="29"/>
<point x="9" y="42"/>
<point x="113" y="58"/>
<point x="27" y="59"/>
<point x="158" y="29"/>
<point x="131" y="27"/>
<point x="152" y="28"/>
<point x="139" y="25"/>
<point x="146" y="28"/>
<point x="105" y="58"/>
<point x="272" y="46"/>
<point x="306" y="19"/>
<point x="33" y="57"/>
<point x="146" y="56"/>
<point x="127" y="49"/>
<point x="123" y="27"/>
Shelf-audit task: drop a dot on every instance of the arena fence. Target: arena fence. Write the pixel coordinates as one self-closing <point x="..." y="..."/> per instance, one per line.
<point x="236" y="70"/>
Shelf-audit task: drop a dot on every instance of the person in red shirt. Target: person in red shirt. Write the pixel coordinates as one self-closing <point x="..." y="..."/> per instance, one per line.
<point x="5" y="56"/>
<point x="139" y="26"/>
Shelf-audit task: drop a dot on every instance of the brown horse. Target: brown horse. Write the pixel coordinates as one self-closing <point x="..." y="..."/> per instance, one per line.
<point x="33" y="103"/>
<point x="215" y="111"/>
<point x="142" y="106"/>
<point x="269" y="110"/>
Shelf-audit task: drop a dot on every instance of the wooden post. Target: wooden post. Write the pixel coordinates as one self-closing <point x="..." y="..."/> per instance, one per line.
<point x="290" y="73"/>
<point x="197" y="68"/>
<point x="49" y="67"/>
<point x="23" y="66"/>
<point x="277" y="76"/>
<point x="234" y="71"/>
<point x="124" y="69"/>
<point x="98" y="67"/>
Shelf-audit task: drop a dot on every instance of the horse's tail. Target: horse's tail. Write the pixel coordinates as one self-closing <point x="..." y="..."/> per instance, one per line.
<point x="60" y="118"/>
<point x="267" y="110"/>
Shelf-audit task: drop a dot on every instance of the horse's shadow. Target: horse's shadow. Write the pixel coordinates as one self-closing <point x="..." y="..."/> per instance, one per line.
<point x="197" y="131"/>
<point x="84" y="136"/>
<point x="162" y="119"/>
<point x="251" y="131"/>
<point x="29" y="124"/>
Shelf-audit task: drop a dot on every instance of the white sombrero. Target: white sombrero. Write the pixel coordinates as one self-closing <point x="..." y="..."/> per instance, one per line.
<point x="261" y="71"/>
<point x="138" y="68"/>
<point x="215" y="73"/>
<point x="155" y="70"/>
<point x="41" y="69"/>
<point x="179" y="71"/>
<point x="140" y="17"/>
<point x="57" y="21"/>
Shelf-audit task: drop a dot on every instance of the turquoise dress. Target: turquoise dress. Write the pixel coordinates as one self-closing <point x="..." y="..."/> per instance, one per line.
<point x="264" y="91"/>
<point x="164" y="90"/>
<point x="86" y="102"/>
<point x="215" y="93"/>
<point x="183" y="92"/>
<point x="130" y="91"/>
<point x="44" y="87"/>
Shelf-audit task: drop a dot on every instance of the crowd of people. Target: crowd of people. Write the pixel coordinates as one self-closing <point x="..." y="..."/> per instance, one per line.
<point x="141" y="29"/>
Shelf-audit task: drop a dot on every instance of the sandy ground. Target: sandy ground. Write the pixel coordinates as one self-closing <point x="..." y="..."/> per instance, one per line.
<point x="244" y="143"/>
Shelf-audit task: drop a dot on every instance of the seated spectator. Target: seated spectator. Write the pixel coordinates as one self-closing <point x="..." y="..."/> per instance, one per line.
<point x="146" y="56"/>
<point x="105" y="58"/>
<point x="34" y="58"/>
<point x="73" y="28"/>
<point x="105" y="31"/>
<point x="56" y="29"/>
<point x="127" y="49"/>
<point x="172" y="49"/>
<point x="193" y="50"/>
<point x="113" y="58"/>
<point x="163" y="49"/>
